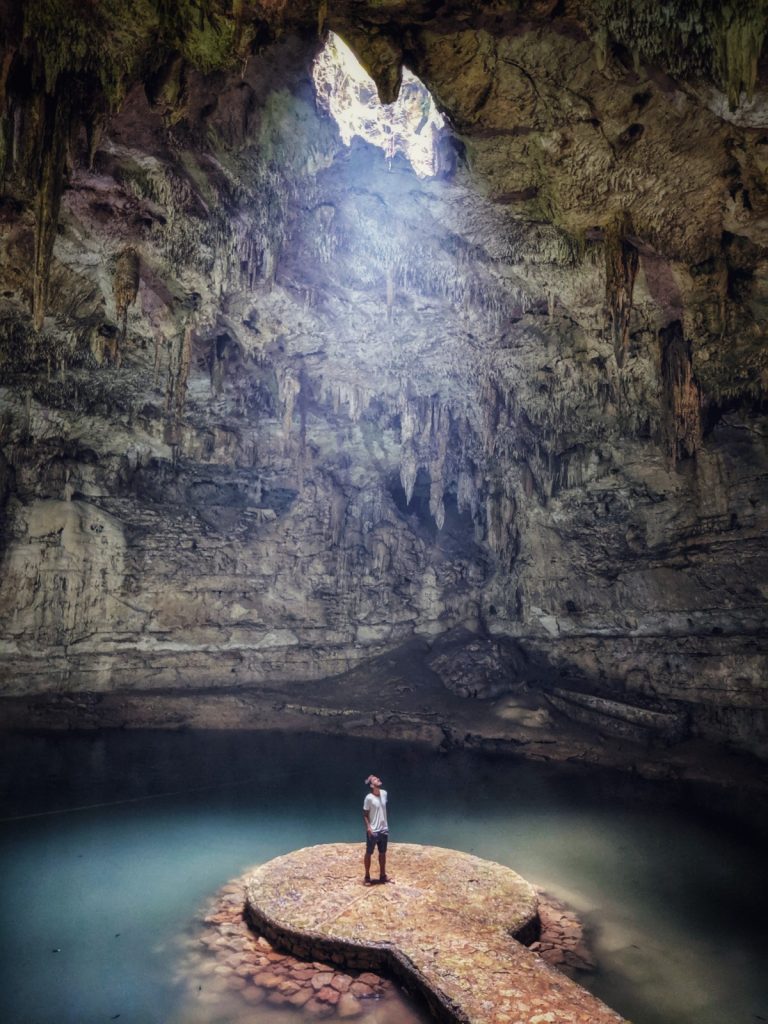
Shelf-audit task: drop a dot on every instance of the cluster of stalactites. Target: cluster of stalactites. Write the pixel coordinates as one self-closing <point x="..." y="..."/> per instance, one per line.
<point x="425" y="429"/>
<point x="713" y="39"/>
<point x="353" y="524"/>
<point x="406" y="266"/>
<point x="354" y="398"/>
<point x="740" y="44"/>
<point x="257" y="239"/>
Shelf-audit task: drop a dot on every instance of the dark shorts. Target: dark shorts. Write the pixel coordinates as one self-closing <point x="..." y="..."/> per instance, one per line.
<point x="375" y="839"/>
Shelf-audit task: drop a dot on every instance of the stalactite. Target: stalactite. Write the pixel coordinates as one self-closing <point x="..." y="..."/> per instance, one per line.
<point x="529" y="481"/>
<point x="125" y="284"/>
<point x="439" y="435"/>
<point x="337" y="512"/>
<point x="467" y="494"/>
<point x="354" y="396"/>
<point x="183" y="376"/>
<point x="269" y="265"/>
<point x="436" y="501"/>
<point x="5" y="126"/>
<point x="491" y="404"/>
<point x="167" y="89"/>
<point x="94" y="131"/>
<point x="156" y="362"/>
<point x="409" y="419"/>
<point x="409" y="472"/>
<point x="681" y="423"/>
<point x="740" y="40"/>
<point x="55" y="127"/>
<point x="290" y="386"/>
<point x="217" y="363"/>
<point x="409" y="468"/>
<point x="178" y="373"/>
<point x="501" y="534"/>
<point x="601" y="47"/>
<point x="621" y="262"/>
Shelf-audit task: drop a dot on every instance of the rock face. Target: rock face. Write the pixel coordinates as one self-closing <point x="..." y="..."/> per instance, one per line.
<point x="272" y="405"/>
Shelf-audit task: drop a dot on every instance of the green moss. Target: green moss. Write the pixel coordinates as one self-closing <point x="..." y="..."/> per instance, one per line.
<point x="107" y="40"/>
<point x="115" y="41"/>
<point x="718" y="41"/>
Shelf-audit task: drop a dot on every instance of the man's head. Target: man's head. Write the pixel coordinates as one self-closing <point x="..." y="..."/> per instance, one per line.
<point x="373" y="781"/>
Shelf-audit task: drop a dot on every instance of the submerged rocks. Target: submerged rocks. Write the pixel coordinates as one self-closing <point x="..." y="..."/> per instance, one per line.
<point x="226" y="964"/>
<point x="562" y="942"/>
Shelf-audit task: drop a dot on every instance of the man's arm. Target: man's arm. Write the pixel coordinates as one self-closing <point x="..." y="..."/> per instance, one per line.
<point x="367" y="821"/>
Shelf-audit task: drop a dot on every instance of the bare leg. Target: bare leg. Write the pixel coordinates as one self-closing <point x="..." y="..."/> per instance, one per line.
<point x="367" y="865"/>
<point x="382" y="866"/>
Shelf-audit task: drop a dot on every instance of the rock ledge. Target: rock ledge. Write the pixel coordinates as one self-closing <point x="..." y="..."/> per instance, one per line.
<point x="446" y="927"/>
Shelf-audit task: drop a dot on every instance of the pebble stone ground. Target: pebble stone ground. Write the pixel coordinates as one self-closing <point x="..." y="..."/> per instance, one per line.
<point x="444" y="926"/>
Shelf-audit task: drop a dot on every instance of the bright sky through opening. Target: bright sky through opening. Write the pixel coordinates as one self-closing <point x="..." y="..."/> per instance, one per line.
<point x="411" y="125"/>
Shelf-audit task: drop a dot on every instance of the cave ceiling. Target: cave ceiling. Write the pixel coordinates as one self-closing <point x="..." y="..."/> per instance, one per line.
<point x="272" y="404"/>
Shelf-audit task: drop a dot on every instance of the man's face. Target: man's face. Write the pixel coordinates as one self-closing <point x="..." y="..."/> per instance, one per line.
<point x="375" y="782"/>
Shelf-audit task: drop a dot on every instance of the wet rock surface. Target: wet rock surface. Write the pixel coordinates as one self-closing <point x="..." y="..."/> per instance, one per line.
<point x="443" y="924"/>
<point x="562" y="942"/>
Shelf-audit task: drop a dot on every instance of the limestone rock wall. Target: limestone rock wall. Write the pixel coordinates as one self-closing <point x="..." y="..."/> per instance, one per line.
<point x="271" y="405"/>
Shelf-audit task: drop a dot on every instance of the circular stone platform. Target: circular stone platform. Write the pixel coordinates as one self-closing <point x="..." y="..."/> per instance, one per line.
<point x="444" y="927"/>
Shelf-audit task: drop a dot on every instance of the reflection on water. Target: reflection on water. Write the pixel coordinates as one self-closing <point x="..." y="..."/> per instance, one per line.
<point x="94" y="898"/>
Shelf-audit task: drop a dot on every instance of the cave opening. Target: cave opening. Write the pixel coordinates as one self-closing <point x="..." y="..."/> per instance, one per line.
<point x="411" y="125"/>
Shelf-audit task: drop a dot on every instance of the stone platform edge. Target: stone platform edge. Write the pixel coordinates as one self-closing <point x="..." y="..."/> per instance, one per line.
<point x="381" y="958"/>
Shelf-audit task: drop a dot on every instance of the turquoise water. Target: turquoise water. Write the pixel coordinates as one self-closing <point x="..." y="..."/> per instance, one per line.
<point x="111" y="842"/>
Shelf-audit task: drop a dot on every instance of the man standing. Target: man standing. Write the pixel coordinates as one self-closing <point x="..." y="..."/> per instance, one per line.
<point x="376" y="827"/>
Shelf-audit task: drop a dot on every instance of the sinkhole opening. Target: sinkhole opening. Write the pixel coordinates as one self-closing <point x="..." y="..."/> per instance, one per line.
<point x="410" y="126"/>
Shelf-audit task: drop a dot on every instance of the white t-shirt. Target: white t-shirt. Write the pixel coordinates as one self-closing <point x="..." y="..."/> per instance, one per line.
<point x="376" y="806"/>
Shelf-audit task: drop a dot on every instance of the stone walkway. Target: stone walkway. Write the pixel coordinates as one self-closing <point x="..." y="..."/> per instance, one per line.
<point x="444" y="926"/>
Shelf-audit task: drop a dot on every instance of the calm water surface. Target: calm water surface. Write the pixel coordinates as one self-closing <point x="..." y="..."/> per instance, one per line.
<point x="111" y="842"/>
